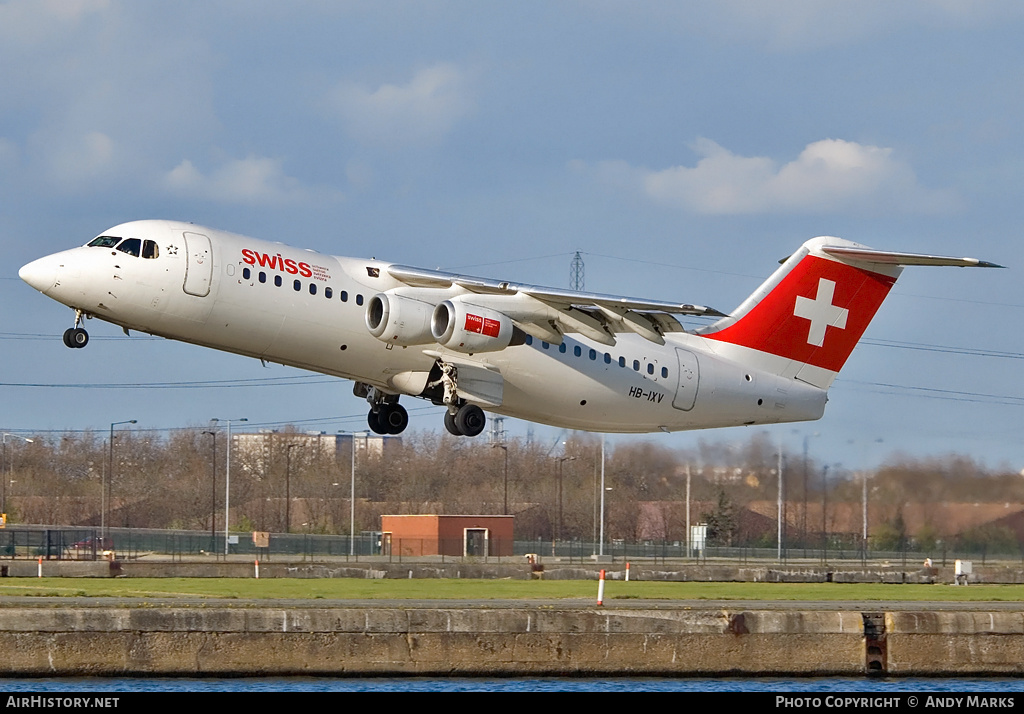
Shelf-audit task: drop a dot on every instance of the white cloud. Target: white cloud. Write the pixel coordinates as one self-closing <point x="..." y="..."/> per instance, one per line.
<point x="828" y="176"/>
<point x="34" y="22"/>
<point x="420" y="112"/>
<point x="808" y="25"/>
<point x="253" y="180"/>
<point x="74" y="159"/>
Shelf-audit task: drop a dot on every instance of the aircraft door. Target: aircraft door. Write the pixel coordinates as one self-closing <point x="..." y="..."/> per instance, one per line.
<point x="689" y="380"/>
<point x="199" y="264"/>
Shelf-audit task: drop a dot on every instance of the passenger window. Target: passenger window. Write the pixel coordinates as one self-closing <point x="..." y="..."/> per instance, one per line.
<point x="328" y="293"/>
<point x="664" y="372"/>
<point x="607" y="358"/>
<point x="593" y="354"/>
<point x="545" y="345"/>
<point x="636" y="365"/>
<point x="650" y="368"/>
<point x="359" y="299"/>
<point x="246" y="273"/>
<point x="622" y="361"/>
<point x="561" y="348"/>
<point x="104" y="242"/>
<point x="150" y="249"/>
<point x="344" y="295"/>
<point x="577" y="350"/>
<point x="277" y="280"/>
<point x="312" y="288"/>
<point x="529" y="340"/>
<point x="263" y="277"/>
<point x="131" y="246"/>
<point x="297" y="285"/>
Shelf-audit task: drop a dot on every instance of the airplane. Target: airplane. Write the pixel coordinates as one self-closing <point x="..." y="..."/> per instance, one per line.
<point x="574" y="360"/>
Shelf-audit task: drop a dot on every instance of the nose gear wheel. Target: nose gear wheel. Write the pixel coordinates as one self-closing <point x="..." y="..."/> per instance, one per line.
<point x="76" y="337"/>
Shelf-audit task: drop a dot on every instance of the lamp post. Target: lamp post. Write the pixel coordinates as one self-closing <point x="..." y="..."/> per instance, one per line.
<point x="561" y="461"/>
<point x="803" y="516"/>
<point x="864" y="506"/>
<point x="600" y="546"/>
<point x="288" y="488"/>
<point x="504" y="447"/>
<point x="778" y="506"/>
<point x="227" y="483"/>
<point x="213" y="495"/>
<point x="6" y="469"/>
<point x="109" y="480"/>
<point x="689" y="548"/>
<point x="352" y="490"/>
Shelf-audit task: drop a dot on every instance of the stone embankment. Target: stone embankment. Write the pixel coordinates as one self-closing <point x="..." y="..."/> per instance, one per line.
<point x="525" y="639"/>
<point x="43" y="637"/>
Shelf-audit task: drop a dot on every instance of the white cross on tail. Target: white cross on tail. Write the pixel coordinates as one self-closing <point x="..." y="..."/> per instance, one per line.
<point x="821" y="312"/>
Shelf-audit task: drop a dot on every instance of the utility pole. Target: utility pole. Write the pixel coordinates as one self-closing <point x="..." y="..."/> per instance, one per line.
<point x="288" y="487"/>
<point x="213" y="496"/>
<point x="105" y="496"/>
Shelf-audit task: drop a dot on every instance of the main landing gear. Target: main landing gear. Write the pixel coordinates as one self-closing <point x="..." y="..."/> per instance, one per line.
<point x="388" y="419"/>
<point x="76" y="337"/>
<point x="386" y="415"/>
<point x="468" y="420"/>
<point x="462" y="418"/>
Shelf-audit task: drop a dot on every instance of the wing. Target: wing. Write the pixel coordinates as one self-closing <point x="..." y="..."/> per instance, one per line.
<point x="548" y="313"/>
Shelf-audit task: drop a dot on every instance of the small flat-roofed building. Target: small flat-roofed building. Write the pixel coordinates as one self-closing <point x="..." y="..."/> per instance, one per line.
<point x="447" y="535"/>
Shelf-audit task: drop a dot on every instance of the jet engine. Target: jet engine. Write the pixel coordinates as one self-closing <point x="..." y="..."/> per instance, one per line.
<point x="469" y="328"/>
<point x="399" y="320"/>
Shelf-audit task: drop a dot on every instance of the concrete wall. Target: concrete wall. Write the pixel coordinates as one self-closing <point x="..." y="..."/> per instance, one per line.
<point x="121" y="640"/>
<point x="508" y="568"/>
<point x="523" y="640"/>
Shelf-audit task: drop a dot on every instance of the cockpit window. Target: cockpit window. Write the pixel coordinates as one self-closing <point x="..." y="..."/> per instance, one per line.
<point x="150" y="249"/>
<point x="131" y="246"/>
<point x="104" y="241"/>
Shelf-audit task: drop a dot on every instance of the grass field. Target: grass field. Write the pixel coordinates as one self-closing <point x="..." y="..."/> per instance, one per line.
<point x="446" y="589"/>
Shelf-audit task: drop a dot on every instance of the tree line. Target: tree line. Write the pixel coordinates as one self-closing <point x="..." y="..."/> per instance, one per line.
<point x="177" y="481"/>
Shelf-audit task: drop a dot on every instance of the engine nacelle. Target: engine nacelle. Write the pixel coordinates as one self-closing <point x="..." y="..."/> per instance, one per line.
<point x="399" y="320"/>
<point x="468" y="328"/>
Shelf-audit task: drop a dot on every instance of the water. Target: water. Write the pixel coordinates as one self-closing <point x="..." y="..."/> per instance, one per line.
<point x="984" y="686"/>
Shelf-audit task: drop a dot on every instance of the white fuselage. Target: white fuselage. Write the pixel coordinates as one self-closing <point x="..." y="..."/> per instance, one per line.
<point x="305" y="309"/>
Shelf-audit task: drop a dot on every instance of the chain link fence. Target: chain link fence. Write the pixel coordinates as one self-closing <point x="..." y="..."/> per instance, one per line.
<point x="73" y="543"/>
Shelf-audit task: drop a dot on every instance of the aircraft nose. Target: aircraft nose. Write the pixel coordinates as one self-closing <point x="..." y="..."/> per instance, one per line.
<point x="40" y="274"/>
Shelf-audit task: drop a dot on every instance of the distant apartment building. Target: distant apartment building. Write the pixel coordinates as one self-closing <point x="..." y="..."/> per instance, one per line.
<point x="257" y="450"/>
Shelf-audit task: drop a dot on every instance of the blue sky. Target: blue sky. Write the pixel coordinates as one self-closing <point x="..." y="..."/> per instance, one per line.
<point x="681" y="147"/>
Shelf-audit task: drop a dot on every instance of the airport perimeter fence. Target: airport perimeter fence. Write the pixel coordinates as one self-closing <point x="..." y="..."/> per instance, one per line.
<point x="76" y="543"/>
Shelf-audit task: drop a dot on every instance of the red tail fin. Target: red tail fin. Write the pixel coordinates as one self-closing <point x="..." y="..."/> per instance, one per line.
<point x="813" y="310"/>
<point x="807" y="317"/>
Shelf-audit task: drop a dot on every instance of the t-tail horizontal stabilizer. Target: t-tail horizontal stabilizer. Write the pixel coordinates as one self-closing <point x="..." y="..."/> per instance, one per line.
<point x="807" y="317"/>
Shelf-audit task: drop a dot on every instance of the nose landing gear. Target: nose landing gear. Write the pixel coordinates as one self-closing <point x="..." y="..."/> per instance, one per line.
<point x="76" y="337"/>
